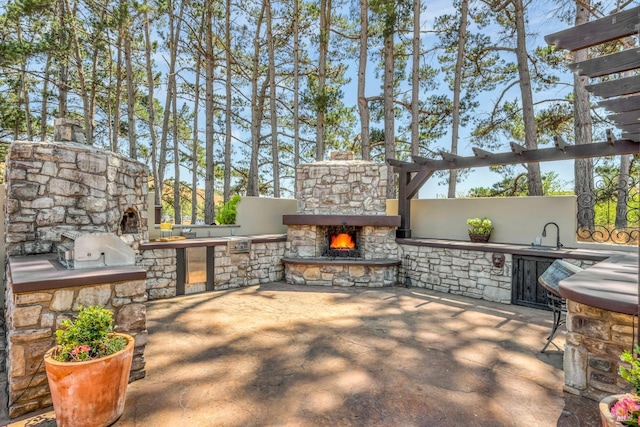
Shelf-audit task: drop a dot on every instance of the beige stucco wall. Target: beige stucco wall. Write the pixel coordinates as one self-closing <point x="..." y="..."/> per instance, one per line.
<point x="262" y="215"/>
<point x="255" y="215"/>
<point x="516" y="219"/>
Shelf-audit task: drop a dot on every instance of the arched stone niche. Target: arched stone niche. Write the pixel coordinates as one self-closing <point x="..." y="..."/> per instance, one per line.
<point x="130" y="223"/>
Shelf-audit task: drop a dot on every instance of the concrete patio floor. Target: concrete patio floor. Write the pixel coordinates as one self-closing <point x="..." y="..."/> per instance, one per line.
<point x="284" y="355"/>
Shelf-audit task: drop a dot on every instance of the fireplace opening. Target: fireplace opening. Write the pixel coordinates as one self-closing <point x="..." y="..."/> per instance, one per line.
<point x="342" y="242"/>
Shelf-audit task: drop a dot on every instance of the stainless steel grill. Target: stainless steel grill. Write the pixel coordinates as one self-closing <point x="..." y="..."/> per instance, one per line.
<point x="81" y="250"/>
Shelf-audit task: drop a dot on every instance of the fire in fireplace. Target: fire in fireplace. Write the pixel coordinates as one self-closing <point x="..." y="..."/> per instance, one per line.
<point x="342" y="242"/>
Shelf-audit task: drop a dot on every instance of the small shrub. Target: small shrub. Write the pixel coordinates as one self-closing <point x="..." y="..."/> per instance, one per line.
<point x="227" y="213"/>
<point x="89" y="336"/>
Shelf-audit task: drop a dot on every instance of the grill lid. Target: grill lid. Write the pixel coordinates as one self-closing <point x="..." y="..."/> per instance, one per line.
<point x="94" y="250"/>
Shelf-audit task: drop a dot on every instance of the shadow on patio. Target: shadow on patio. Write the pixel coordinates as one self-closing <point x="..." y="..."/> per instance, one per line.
<point x="283" y="355"/>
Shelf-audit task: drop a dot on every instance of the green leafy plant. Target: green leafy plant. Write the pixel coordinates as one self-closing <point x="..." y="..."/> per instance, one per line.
<point x="227" y="213"/>
<point x="482" y="226"/>
<point x="89" y="336"/>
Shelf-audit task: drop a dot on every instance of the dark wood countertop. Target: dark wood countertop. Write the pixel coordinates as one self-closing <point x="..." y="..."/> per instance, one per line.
<point x="508" y="248"/>
<point x="611" y="284"/>
<point x="40" y="272"/>
<point x="211" y="241"/>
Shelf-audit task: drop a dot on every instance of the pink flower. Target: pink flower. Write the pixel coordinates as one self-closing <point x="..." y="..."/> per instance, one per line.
<point x="624" y="407"/>
<point x="80" y="349"/>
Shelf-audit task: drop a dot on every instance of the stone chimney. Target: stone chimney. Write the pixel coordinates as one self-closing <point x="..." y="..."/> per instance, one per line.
<point x="67" y="130"/>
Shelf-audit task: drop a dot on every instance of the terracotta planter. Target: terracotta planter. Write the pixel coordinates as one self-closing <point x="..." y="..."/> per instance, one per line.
<point x="605" y="411"/>
<point x="92" y="393"/>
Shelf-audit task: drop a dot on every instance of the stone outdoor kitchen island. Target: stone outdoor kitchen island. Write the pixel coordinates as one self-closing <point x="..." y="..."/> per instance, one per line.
<point x="67" y="188"/>
<point x="341" y="235"/>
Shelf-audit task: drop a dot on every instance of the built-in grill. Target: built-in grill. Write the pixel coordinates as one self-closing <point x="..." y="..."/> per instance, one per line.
<point x="79" y="250"/>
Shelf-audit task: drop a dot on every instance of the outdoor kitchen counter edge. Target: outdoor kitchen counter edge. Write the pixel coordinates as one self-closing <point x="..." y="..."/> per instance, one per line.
<point x="211" y="241"/>
<point x="610" y="284"/>
<point x="514" y="249"/>
<point x="40" y="272"/>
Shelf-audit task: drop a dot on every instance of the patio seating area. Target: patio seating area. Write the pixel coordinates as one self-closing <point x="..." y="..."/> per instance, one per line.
<point x="287" y="355"/>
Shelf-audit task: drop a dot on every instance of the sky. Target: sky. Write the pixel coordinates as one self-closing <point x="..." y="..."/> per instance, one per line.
<point x="540" y="18"/>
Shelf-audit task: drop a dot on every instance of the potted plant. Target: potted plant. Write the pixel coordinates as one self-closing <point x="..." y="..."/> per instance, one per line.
<point x="88" y="370"/>
<point x="480" y="229"/>
<point x="624" y="409"/>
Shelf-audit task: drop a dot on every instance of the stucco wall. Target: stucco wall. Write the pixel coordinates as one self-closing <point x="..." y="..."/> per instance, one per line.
<point x="516" y="219"/>
<point x="261" y="215"/>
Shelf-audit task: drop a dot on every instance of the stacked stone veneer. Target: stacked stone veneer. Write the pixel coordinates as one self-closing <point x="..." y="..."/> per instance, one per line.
<point x="33" y="318"/>
<point x="464" y="272"/>
<point x="261" y="265"/>
<point x="52" y="187"/>
<point x="341" y="187"/>
<point x="458" y="271"/>
<point x="595" y="339"/>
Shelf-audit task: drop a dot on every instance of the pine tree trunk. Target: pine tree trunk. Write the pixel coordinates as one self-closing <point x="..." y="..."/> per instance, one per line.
<point x="325" y="25"/>
<point x="176" y="159"/>
<point x="45" y="99"/>
<point x="209" y="214"/>
<point x="115" y="136"/>
<point x="131" y="102"/>
<point x="63" y="88"/>
<point x="272" y="104"/>
<point x="583" y="168"/>
<point x="194" y="149"/>
<point x="623" y="192"/>
<point x="363" y="104"/>
<point x="256" y="111"/>
<point x="534" y="178"/>
<point x="296" y="86"/>
<point x="389" y="122"/>
<point x="228" y="112"/>
<point x="457" y="88"/>
<point x="415" y="81"/>
<point x="152" y="110"/>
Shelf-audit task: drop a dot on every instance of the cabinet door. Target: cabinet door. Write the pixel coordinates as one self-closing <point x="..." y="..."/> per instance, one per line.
<point x="525" y="289"/>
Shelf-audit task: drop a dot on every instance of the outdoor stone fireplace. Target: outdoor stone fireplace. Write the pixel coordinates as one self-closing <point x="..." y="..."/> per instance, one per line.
<point x="341" y="234"/>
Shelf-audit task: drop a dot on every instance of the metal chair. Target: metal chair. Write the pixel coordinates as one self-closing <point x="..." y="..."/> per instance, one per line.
<point x="550" y="280"/>
<point x="558" y="306"/>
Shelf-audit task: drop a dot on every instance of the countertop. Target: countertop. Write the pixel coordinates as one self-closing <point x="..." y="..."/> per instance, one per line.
<point x="210" y="241"/>
<point x="40" y="272"/>
<point x="611" y="284"/>
<point x="515" y="249"/>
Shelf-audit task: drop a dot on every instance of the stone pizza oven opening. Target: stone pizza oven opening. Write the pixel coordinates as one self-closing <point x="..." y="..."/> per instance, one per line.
<point x="130" y="222"/>
<point x="342" y="242"/>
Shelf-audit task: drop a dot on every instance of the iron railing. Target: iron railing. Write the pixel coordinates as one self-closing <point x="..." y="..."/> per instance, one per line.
<point x="610" y="211"/>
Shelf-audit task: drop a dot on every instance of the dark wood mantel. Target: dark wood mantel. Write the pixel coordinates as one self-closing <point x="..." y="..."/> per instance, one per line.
<point x="356" y="220"/>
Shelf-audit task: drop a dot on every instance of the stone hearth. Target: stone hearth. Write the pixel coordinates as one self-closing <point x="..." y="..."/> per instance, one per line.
<point x="348" y="194"/>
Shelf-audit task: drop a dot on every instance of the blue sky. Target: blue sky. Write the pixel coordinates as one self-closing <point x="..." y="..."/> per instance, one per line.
<point x="541" y="18"/>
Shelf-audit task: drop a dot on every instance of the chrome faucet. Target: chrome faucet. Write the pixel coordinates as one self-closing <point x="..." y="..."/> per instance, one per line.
<point x="544" y="233"/>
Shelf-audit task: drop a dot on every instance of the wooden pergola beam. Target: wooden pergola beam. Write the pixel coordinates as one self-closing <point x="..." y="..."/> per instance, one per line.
<point x="612" y="27"/>
<point x="628" y="118"/>
<point x="618" y="62"/>
<point x="566" y="152"/>
<point x="621" y="105"/>
<point x="413" y="175"/>
<point x="616" y="87"/>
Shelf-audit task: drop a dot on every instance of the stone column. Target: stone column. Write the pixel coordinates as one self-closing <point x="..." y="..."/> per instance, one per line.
<point x="67" y="130"/>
